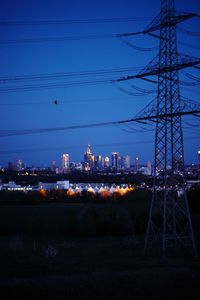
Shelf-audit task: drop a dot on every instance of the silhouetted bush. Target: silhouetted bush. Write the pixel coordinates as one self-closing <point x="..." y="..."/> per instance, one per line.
<point x="194" y="198"/>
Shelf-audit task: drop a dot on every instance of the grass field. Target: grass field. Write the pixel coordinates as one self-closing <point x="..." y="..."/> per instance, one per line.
<point x="92" y="268"/>
<point x="88" y="251"/>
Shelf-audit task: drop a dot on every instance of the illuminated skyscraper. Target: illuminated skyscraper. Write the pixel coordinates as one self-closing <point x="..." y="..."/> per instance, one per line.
<point x="99" y="162"/>
<point x="115" y="160"/>
<point x="88" y="159"/>
<point x="125" y="162"/>
<point x="149" y="168"/>
<point x="136" y="166"/>
<point x="20" y="165"/>
<point x="106" y="162"/>
<point x="53" y="165"/>
<point x="65" y="161"/>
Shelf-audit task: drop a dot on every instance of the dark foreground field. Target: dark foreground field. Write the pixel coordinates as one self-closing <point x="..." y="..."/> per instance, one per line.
<point x="88" y="251"/>
<point x="92" y="268"/>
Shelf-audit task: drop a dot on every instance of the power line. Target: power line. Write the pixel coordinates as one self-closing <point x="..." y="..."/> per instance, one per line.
<point x="188" y="32"/>
<point x="189" y="45"/>
<point x="51" y="76"/>
<point x="135" y="47"/>
<point x="2" y="152"/>
<point x="63" y="101"/>
<point x="54" y="85"/>
<point x="58" y="39"/>
<point x="69" y="38"/>
<point x="153" y="117"/>
<point x="72" y="21"/>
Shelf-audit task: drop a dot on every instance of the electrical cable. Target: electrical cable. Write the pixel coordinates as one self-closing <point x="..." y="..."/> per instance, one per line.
<point x="190" y="76"/>
<point x="54" y="85"/>
<point x="4" y="133"/>
<point x="137" y="47"/>
<point x="186" y="31"/>
<point x="189" y="45"/>
<point x="63" y="101"/>
<point x="144" y="91"/>
<point x="130" y="93"/>
<point x="67" y="147"/>
<point x="72" y="21"/>
<point x="53" y="76"/>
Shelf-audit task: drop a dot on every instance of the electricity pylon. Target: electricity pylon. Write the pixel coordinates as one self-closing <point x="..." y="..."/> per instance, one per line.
<point x="169" y="229"/>
<point x="169" y="226"/>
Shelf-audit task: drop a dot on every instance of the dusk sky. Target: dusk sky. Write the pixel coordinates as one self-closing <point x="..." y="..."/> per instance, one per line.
<point x="87" y="103"/>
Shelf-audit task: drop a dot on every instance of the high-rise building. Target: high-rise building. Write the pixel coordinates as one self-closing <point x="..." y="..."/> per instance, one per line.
<point x="20" y="165"/>
<point x="99" y="162"/>
<point x="11" y="166"/>
<point x="125" y="162"/>
<point x="115" y="160"/>
<point x="53" y="165"/>
<point x="65" y="162"/>
<point x="88" y="159"/>
<point x="106" y="162"/>
<point x="136" y="165"/>
<point x="149" y="168"/>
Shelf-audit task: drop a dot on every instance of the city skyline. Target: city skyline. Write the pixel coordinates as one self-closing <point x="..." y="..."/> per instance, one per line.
<point x="63" y="160"/>
<point x="86" y="104"/>
<point x="93" y="160"/>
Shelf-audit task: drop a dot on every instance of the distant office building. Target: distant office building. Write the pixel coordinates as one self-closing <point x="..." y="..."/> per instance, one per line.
<point x="136" y="165"/>
<point x="115" y="160"/>
<point x="53" y="165"/>
<point x="65" y="162"/>
<point x="79" y="166"/>
<point x="20" y="165"/>
<point x="125" y="162"/>
<point x="86" y="166"/>
<point x="98" y="162"/>
<point x="149" y="168"/>
<point x="88" y="159"/>
<point x="11" y="166"/>
<point x="106" y="162"/>
<point x="53" y="185"/>
<point x="64" y="184"/>
<point x="119" y="162"/>
<point x="72" y="165"/>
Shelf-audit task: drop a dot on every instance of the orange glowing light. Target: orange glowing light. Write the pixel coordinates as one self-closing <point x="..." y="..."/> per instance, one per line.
<point x="91" y="190"/>
<point x="105" y="193"/>
<point x="71" y="193"/>
<point x="43" y="193"/>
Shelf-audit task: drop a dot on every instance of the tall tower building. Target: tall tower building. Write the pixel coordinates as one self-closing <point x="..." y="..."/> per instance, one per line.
<point x="136" y="165"/>
<point x="125" y="162"/>
<point x="88" y="159"/>
<point x="11" y="166"/>
<point x="53" y="165"/>
<point x="106" y="162"/>
<point x="65" y="161"/>
<point x="149" y="168"/>
<point x="115" y="160"/>
<point x="99" y="162"/>
<point x="19" y="165"/>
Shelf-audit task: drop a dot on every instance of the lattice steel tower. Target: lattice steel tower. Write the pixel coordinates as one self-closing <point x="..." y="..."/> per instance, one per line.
<point x="169" y="225"/>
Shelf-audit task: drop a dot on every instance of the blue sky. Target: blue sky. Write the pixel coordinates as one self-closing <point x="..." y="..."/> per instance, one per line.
<point x="81" y="104"/>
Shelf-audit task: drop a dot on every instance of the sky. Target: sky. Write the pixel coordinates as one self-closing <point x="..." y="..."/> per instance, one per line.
<point x="82" y="104"/>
